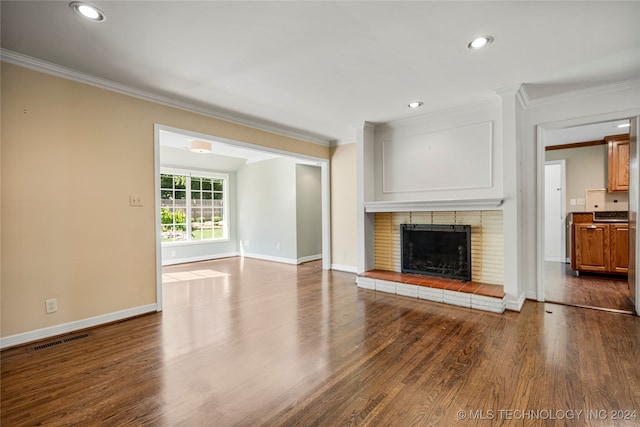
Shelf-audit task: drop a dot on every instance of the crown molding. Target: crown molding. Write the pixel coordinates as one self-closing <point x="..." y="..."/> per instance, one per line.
<point x="25" y="61"/>
<point x="343" y="141"/>
<point x="526" y="101"/>
<point x="522" y="96"/>
<point x="517" y="90"/>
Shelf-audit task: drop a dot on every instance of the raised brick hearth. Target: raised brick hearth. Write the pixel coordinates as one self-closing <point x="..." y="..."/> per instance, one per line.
<point x="475" y="295"/>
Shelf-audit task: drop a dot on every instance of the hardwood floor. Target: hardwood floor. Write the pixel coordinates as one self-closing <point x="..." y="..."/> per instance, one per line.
<point x="609" y="292"/>
<point x="248" y="342"/>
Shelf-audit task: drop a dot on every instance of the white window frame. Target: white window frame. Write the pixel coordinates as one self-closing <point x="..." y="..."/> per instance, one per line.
<point x="225" y="203"/>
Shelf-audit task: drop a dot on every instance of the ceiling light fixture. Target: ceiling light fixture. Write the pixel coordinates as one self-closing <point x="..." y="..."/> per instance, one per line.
<point x="200" y="146"/>
<point x="480" y="42"/>
<point x="87" y="11"/>
<point x="416" y="104"/>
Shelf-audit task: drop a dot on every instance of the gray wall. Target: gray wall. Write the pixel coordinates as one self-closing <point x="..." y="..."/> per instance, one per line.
<point x="309" y="212"/>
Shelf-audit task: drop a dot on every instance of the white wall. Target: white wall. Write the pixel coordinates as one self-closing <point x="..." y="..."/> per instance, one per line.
<point x="573" y="109"/>
<point x="267" y="210"/>
<point x="308" y="212"/>
<point x="486" y="130"/>
<point x="456" y="154"/>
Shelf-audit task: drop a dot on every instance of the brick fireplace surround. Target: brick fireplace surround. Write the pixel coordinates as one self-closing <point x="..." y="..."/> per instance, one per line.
<point x="484" y="292"/>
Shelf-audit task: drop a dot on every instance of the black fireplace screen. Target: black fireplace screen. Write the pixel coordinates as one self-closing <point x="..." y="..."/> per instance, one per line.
<point x="437" y="250"/>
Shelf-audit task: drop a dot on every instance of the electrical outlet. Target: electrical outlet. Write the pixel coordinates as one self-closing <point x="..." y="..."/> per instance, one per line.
<point x="51" y="305"/>
<point x="278" y="246"/>
<point x="135" y="200"/>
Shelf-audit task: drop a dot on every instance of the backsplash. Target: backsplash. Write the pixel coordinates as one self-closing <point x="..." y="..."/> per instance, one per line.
<point x="601" y="200"/>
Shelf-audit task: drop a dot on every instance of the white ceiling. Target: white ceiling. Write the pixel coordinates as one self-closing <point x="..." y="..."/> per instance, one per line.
<point x="183" y="142"/>
<point x="586" y="133"/>
<point x="320" y="68"/>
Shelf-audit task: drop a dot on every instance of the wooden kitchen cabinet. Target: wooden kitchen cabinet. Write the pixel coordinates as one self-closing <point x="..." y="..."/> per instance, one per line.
<point x="619" y="244"/>
<point x="618" y="179"/>
<point x="600" y="247"/>
<point x="592" y="247"/>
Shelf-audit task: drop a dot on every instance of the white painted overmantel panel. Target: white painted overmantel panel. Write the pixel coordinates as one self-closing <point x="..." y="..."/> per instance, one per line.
<point x="451" y="159"/>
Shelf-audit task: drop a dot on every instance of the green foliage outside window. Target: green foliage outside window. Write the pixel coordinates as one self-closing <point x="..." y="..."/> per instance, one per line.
<point x="173" y="220"/>
<point x="201" y="199"/>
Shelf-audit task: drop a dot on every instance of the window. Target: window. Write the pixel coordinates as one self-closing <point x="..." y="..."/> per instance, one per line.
<point x="192" y="206"/>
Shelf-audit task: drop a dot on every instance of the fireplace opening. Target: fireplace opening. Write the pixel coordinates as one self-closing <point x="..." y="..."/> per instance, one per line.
<point x="436" y="250"/>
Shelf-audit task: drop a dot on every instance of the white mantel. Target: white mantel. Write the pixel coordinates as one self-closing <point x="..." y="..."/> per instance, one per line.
<point x="434" y="205"/>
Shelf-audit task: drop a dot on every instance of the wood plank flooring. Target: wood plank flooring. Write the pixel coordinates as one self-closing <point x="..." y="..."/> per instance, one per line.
<point x="608" y="292"/>
<point x="250" y="343"/>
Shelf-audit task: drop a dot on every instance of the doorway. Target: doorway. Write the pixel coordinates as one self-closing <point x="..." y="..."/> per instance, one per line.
<point x="311" y="174"/>
<point x="575" y="181"/>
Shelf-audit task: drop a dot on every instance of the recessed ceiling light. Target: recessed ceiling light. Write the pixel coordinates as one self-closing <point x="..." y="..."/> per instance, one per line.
<point x="624" y="125"/>
<point x="480" y="42"/>
<point x="200" y="146"/>
<point x="416" y="104"/>
<point x="87" y="11"/>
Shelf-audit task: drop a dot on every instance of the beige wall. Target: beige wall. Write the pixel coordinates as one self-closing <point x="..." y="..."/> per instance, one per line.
<point x="586" y="169"/>
<point x="343" y="206"/>
<point x="71" y="156"/>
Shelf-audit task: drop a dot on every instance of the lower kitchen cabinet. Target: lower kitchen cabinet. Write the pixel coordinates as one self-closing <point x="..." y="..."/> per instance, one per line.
<point x="592" y="247"/>
<point x="619" y="242"/>
<point x="601" y="248"/>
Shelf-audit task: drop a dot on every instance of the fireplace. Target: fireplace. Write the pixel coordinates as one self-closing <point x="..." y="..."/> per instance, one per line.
<point x="436" y="250"/>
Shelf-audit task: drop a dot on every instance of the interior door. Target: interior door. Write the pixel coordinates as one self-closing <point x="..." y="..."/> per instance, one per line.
<point x="554" y="242"/>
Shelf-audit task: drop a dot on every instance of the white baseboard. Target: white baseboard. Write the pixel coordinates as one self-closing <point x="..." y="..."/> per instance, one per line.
<point x="292" y="261"/>
<point x="199" y="258"/>
<point x="248" y="255"/>
<point x="515" y="304"/>
<point x="77" y="325"/>
<point x="346" y="268"/>
<point x="309" y="258"/>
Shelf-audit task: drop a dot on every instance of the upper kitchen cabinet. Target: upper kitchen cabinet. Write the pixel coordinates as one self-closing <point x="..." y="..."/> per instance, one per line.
<point x="618" y="162"/>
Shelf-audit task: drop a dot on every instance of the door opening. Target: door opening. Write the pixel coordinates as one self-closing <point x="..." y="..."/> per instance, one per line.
<point x="582" y="152"/>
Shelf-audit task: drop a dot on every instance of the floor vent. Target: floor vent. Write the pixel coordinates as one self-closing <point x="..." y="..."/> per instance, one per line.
<point x="47" y="345"/>
<point x="59" y="342"/>
<point x="75" y="337"/>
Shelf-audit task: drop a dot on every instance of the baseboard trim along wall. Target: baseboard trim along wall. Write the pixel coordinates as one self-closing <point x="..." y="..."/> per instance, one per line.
<point x="292" y="261"/>
<point x="346" y="268"/>
<point x="65" y="328"/>
<point x="515" y="305"/>
<point x="248" y="255"/>
<point x="309" y="258"/>
<point x="198" y="258"/>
